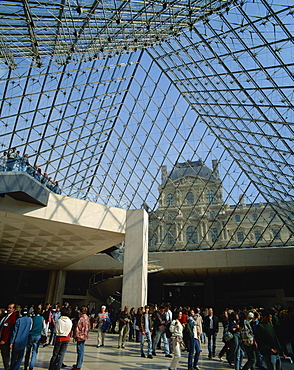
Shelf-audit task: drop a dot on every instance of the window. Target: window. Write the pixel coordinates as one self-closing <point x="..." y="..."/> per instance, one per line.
<point x="237" y="218"/>
<point x="240" y="236"/>
<point x="254" y="217"/>
<point x="276" y="234"/>
<point x="150" y="241"/>
<point x="272" y="215"/>
<point x="214" y="234"/>
<point x="210" y="196"/>
<point x="169" y="217"/>
<point x="257" y="235"/>
<point x="170" y="200"/>
<point x="170" y="238"/>
<point x="190" y="198"/>
<point x="191" y="235"/>
<point x="212" y="214"/>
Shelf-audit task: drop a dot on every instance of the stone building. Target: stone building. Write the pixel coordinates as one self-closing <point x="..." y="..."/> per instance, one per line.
<point x="193" y="215"/>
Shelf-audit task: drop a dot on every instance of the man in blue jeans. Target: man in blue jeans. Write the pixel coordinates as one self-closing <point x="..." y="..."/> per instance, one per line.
<point x="160" y="328"/>
<point x="211" y="330"/>
<point x="34" y="340"/>
<point x="19" y="339"/>
<point x="268" y="342"/>
<point x="194" y="346"/>
<point x="145" y="326"/>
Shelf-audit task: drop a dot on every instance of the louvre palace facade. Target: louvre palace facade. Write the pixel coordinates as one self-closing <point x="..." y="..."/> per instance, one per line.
<point x="192" y="214"/>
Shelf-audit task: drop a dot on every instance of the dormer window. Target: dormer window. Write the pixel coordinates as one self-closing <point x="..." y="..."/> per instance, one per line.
<point x="170" y="200"/>
<point x="190" y="198"/>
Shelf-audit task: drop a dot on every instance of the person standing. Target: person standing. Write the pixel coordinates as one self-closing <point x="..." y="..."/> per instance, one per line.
<point x="6" y="328"/>
<point x="160" y="331"/>
<point x="124" y="320"/>
<point x="47" y="314"/>
<point x="248" y="340"/>
<point x="81" y="335"/>
<point x="102" y="318"/>
<point x="195" y="322"/>
<point x="145" y="326"/>
<point x="34" y="340"/>
<point x="138" y="318"/>
<point x="23" y="163"/>
<point x="132" y="324"/>
<point x="268" y="342"/>
<point x="56" y="313"/>
<point x="63" y="329"/>
<point x="11" y="160"/>
<point x="211" y="330"/>
<point x="176" y="329"/>
<point x="19" y="339"/>
<point x="235" y="344"/>
<point x="3" y="161"/>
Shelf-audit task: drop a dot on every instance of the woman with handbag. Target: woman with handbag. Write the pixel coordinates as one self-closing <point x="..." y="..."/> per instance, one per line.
<point x="177" y="343"/>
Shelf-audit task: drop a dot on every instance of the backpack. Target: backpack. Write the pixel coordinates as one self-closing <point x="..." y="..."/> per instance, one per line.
<point x="227" y="336"/>
<point x="247" y="335"/>
<point x="188" y="331"/>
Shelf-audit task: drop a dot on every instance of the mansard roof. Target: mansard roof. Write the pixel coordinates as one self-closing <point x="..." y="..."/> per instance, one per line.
<point x="194" y="168"/>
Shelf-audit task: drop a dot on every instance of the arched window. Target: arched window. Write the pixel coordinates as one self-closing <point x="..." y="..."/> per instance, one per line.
<point x="191" y="235"/>
<point x="190" y="198"/>
<point x="170" y="200"/>
<point x="170" y="238"/>
<point x="214" y="234"/>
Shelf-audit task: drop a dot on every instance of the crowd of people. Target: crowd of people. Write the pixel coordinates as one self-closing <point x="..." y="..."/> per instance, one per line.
<point x="13" y="161"/>
<point x="261" y="337"/>
<point x="22" y="331"/>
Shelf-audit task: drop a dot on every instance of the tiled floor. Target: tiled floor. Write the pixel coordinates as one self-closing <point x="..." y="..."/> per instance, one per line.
<point x="111" y="358"/>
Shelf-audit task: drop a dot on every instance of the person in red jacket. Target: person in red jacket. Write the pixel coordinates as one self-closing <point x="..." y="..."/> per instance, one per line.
<point x="80" y="336"/>
<point x="6" y="328"/>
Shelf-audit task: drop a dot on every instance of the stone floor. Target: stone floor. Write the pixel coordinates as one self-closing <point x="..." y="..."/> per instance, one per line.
<point x="110" y="357"/>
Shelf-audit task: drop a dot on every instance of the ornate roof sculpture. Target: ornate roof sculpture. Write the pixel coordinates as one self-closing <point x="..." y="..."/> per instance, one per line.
<point x="102" y="94"/>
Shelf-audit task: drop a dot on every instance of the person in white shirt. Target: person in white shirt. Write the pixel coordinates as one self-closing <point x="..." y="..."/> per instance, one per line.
<point x="63" y="330"/>
<point x="195" y="322"/>
<point x="176" y="329"/>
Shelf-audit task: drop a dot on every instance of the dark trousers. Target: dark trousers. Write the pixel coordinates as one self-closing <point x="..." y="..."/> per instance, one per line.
<point x="16" y="358"/>
<point x="211" y="337"/>
<point x="58" y="355"/>
<point x="251" y="357"/>
<point x="5" y="353"/>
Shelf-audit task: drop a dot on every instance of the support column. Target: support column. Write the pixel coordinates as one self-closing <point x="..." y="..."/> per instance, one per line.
<point x="134" y="290"/>
<point x="56" y="286"/>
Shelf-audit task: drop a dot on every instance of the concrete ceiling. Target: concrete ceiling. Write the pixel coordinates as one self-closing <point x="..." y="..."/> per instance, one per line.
<point x="30" y="239"/>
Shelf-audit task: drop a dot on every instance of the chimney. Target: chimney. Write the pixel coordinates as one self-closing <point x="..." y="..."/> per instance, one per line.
<point x="163" y="174"/>
<point x="215" y="171"/>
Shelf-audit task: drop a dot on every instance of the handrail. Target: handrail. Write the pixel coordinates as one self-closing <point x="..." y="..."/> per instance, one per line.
<point x="153" y="265"/>
<point x="77" y="193"/>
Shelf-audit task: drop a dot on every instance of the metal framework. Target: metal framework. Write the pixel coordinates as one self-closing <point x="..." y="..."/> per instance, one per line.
<point x="102" y="94"/>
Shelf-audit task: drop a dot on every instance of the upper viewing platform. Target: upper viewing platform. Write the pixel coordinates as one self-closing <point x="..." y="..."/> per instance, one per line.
<point x="41" y="229"/>
<point x="21" y="186"/>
